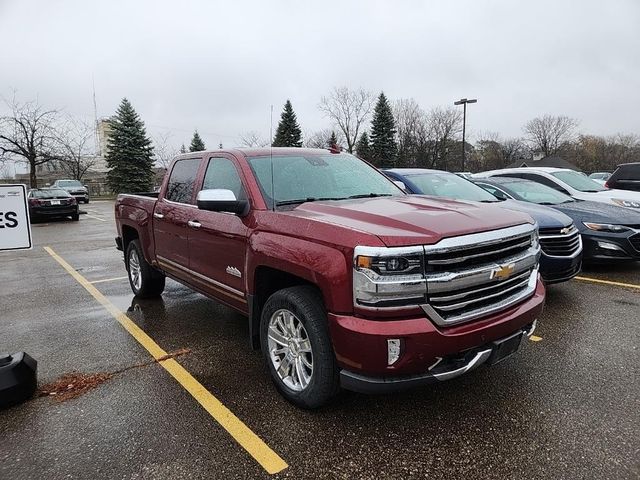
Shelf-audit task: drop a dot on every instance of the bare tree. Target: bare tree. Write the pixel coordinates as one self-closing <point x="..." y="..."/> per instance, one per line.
<point x="76" y="148"/>
<point x="411" y="131"/>
<point x="549" y="133"/>
<point x="164" y="151"/>
<point x="252" y="139"/>
<point x="494" y="152"/>
<point x="443" y="126"/>
<point x="349" y="109"/>
<point x="321" y="138"/>
<point x="28" y="134"/>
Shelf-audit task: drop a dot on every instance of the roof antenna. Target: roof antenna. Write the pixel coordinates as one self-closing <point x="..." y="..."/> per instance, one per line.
<point x="273" y="195"/>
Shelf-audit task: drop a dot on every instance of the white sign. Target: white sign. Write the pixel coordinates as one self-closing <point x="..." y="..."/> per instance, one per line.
<point x="15" y="229"/>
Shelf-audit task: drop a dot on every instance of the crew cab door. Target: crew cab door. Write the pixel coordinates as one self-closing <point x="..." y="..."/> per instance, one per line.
<point x="218" y="243"/>
<point x="173" y="210"/>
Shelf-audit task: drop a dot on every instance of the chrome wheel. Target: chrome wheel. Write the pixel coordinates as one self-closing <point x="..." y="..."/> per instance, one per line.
<point x="290" y="350"/>
<point x="135" y="273"/>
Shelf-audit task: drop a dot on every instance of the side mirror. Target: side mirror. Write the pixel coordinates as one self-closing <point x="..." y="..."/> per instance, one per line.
<point x="400" y="185"/>
<point x="221" y="200"/>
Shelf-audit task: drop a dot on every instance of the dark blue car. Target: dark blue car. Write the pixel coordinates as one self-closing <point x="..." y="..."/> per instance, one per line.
<point x="559" y="238"/>
<point x="609" y="233"/>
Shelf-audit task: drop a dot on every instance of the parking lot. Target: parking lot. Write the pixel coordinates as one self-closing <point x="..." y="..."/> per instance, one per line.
<point x="566" y="406"/>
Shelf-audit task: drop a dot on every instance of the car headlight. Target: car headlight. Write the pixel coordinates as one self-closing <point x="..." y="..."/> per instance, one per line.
<point x="535" y="239"/>
<point x="626" y="203"/>
<point x="606" y="227"/>
<point x="388" y="277"/>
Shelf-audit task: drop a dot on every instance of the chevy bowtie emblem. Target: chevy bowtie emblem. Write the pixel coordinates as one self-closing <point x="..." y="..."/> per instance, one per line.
<point x="503" y="271"/>
<point x="565" y="230"/>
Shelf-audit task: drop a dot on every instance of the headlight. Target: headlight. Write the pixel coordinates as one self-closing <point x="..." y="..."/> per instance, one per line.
<point x="535" y="239"/>
<point x="626" y="203"/>
<point x="606" y="227"/>
<point x="388" y="277"/>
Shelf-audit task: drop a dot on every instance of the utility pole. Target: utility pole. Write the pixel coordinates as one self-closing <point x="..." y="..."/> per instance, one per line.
<point x="463" y="102"/>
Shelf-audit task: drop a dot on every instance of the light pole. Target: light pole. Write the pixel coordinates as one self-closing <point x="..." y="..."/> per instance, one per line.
<point x="463" y="102"/>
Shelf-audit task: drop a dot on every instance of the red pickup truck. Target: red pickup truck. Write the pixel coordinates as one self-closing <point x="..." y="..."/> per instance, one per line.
<point x="346" y="280"/>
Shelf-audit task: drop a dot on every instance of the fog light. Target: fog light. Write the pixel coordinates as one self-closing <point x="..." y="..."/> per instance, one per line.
<point x="609" y="246"/>
<point x="393" y="350"/>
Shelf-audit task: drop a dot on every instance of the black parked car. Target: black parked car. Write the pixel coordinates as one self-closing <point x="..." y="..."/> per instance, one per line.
<point x="626" y="177"/>
<point x="561" y="256"/>
<point x="52" y="203"/>
<point x="608" y="232"/>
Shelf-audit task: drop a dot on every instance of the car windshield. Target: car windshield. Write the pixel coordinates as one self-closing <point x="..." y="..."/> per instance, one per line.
<point x="578" y="181"/>
<point x="537" y="193"/>
<point x="300" y="178"/>
<point x="450" y="185"/>
<point x="50" y="193"/>
<point x="69" y="183"/>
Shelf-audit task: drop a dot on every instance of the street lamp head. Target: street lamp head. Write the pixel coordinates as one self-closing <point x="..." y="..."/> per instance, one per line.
<point x="465" y="100"/>
<point x="472" y="100"/>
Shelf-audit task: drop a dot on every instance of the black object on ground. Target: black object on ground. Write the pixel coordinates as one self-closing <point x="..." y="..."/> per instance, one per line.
<point x="18" y="378"/>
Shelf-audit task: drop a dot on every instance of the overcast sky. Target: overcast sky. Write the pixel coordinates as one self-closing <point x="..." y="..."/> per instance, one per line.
<point x="218" y="66"/>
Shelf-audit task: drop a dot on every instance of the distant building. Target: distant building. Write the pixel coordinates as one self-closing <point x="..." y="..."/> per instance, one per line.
<point x="549" y="161"/>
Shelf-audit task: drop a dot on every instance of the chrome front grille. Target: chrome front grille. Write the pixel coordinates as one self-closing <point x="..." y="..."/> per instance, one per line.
<point x="565" y="242"/>
<point x="475" y="275"/>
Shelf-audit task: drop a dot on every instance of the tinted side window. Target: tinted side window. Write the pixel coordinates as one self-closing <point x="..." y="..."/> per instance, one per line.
<point x="182" y="180"/>
<point x="222" y="173"/>
<point x="545" y="181"/>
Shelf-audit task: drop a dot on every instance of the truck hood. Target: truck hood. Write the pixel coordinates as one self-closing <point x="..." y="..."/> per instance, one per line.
<point x="411" y="219"/>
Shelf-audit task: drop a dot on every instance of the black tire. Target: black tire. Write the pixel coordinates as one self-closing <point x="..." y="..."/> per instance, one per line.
<point x="75" y="217"/>
<point x="151" y="281"/>
<point x="305" y="302"/>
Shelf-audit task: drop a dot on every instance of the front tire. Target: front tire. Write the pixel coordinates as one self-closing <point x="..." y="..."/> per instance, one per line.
<point x="295" y="341"/>
<point x="75" y="217"/>
<point x="145" y="281"/>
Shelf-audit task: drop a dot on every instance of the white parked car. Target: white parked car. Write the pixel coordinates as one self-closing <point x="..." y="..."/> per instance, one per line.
<point x="570" y="182"/>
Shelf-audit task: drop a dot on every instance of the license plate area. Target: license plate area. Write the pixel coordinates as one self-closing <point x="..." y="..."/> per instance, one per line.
<point x="55" y="202"/>
<point x="504" y="348"/>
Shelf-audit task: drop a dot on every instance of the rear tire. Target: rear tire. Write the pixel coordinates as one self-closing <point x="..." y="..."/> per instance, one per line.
<point x="145" y="281"/>
<point x="295" y="341"/>
<point x="75" y="217"/>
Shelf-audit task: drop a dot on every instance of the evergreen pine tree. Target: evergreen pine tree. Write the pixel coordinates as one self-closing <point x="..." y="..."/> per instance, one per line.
<point x="129" y="152"/>
<point x="384" y="148"/>
<point x="363" y="149"/>
<point x="288" y="133"/>
<point x="333" y="140"/>
<point x="197" y="145"/>
<point x="183" y="149"/>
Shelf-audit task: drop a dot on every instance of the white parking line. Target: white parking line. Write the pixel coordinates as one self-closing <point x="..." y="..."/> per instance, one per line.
<point x="97" y="218"/>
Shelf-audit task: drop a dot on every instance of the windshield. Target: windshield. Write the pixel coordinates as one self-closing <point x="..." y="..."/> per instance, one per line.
<point x="578" y="181"/>
<point x="537" y="193"/>
<point x="69" y="183"/>
<point x="49" y="193"/>
<point x="316" y="177"/>
<point x="452" y="186"/>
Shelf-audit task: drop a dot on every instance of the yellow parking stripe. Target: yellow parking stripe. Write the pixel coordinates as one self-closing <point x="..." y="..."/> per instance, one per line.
<point x="260" y="451"/>
<point x="607" y="282"/>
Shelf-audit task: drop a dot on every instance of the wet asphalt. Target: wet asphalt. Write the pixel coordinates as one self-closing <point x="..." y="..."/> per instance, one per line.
<point x="566" y="407"/>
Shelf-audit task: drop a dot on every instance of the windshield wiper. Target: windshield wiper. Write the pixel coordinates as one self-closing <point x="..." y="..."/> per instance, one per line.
<point x="304" y="200"/>
<point x="370" y="195"/>
<point x="547" y="203"/>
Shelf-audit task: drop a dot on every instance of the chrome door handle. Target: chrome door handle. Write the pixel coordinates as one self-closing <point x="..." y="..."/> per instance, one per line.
<point x="159" y="216"/>
<point x="194" y="224"/>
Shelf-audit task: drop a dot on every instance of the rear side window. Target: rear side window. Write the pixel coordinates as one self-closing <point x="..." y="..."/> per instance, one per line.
<point x="627" y="172"/>
<point x="222" y="174"/>
<point x="182" y="180"/>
